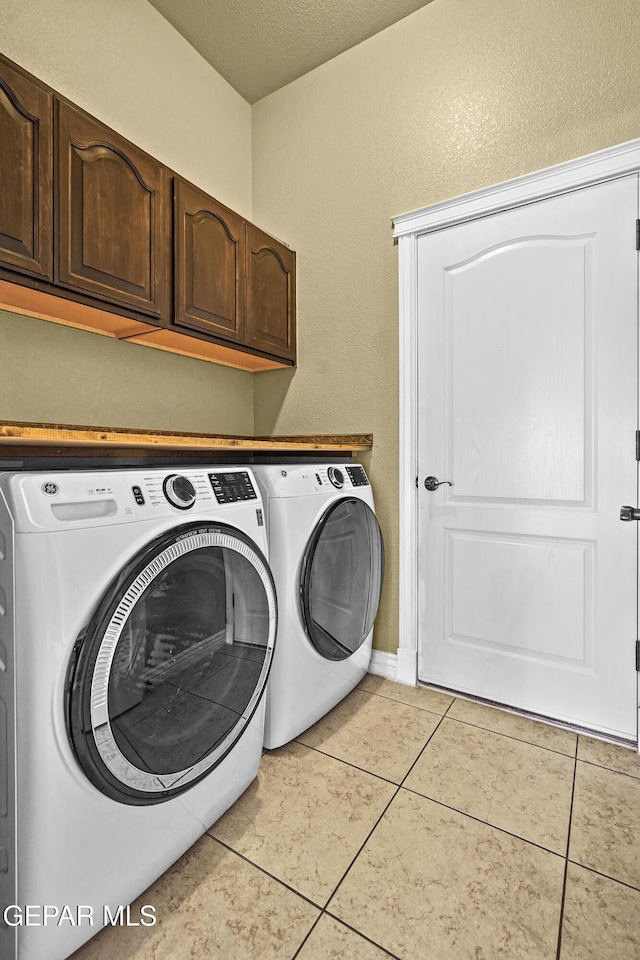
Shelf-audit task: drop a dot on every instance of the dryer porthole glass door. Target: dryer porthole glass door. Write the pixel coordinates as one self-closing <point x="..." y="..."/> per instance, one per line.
<point x="341" y="581"/>
<point x="173" y="663"/>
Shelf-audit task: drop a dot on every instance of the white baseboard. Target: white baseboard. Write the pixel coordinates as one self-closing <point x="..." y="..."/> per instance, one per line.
<point x="400" y="667"/>
<point x="384" y="664"/>
<point x="407" y="667"/>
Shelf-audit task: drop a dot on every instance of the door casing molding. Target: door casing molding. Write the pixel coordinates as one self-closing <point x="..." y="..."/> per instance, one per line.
<point x="594" y="168"/>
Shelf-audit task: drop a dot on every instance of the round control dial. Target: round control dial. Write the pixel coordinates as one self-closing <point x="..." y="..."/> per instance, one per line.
<point x="336" y="477"/>
<point x="179" y="491"/>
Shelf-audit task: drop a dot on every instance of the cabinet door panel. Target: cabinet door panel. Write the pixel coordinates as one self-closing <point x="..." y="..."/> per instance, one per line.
<point x="113" y="216"/>
<point x="26" y="196"/>
<point x="209" y="250"/>
<point x="270" y="294"/>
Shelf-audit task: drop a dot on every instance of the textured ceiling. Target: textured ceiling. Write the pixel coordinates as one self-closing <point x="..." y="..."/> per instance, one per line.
<point x="261" y="45"/>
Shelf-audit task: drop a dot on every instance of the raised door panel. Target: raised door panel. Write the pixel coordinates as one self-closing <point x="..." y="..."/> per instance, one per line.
<point x="113" y="216"/>
<point x="26" y="163"/>
<point x="270" y="295"/>
<point x="518" y="400"/>
<point x="209" y="252"/>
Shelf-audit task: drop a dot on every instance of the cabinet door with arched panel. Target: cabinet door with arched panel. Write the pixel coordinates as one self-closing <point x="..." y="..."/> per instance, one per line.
<point x="113" y="216"/>
<point x="26" y="166"/>
<point x="270" y="295"/>
<point x="209" y="263"/>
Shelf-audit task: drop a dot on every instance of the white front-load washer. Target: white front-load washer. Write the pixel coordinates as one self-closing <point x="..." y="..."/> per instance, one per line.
<point x="327" y="557"/>
<point x="137" y="627"/>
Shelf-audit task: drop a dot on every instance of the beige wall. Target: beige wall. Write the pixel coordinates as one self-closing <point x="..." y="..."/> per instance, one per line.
<point x="122" y="62"/>
<point x="462" y="94"/>
<point x="59" y="375"/>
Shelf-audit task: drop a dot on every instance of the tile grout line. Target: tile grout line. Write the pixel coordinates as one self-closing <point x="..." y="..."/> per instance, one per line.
<point x="478" y="726"/>
<point x="362" y="846"/>
<point x="606" y="876"/>
<point x="347" y="763"/>
<point x="510" y="736"/>
<point x="566" y="858"/>
<point x="379" y="946"/>
<point x="375" y="825"/>
<point x="601" y="766"/>
<point x="470" y="816"/>
<point x="522" y="716"/>
<point x="325" y="910"/>
<point x="441" y="803"/>
<point x="325" y="913"/>
<point x="404" y="703"/>
<point x="308" y="933"/>
<point x="546" y="721"/>
<point x="426" y="744"/>
<point x="263" y="870"/>
<point x="464" y="813"/>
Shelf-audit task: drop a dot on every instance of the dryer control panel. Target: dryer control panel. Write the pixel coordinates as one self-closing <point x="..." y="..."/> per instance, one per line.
<point x="303" y="480"/>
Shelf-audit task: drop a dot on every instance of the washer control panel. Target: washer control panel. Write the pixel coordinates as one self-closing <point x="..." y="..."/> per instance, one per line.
<point x="68" y="499"/>
<point x="231" y="487"/>
<point x="179" y="491"/>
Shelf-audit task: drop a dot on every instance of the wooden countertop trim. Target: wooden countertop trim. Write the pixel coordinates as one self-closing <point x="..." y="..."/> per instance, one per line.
<point x="17" y="433"/>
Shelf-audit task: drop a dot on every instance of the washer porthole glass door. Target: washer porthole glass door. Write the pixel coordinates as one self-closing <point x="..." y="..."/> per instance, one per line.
<point x="173" y="664"/>
<point x="341" y="582"/>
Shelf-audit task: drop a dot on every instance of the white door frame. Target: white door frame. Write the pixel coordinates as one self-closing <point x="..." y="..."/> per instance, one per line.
<point x="574" y="174"/>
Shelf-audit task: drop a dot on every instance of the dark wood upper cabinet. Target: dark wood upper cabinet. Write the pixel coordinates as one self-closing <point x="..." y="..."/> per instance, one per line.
<point x="208" y="266"/>
<point x="26" y="164"/>
<point x="97" y="234"/>
<point x="113" y="216"/>
<point x="270" y="292"/>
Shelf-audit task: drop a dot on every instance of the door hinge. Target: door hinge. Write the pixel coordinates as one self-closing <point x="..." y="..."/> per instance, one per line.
<point x="637" y="444"/>
<point x="637" y="656"/>
<point x="637" y="234"/>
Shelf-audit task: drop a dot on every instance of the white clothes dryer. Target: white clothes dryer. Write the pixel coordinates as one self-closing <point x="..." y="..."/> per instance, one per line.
<point x="327" y="557"/>
<point x="137" y="626"/>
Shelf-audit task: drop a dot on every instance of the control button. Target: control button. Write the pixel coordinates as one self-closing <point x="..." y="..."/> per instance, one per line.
<point x="319" y="479"/>
<point x="336" y="477"/>
<point x="179" y="491"/>
<point x="138" y="496"/>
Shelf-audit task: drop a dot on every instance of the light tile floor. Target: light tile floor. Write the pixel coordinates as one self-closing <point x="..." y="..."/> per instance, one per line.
<point x="410" y="824"/>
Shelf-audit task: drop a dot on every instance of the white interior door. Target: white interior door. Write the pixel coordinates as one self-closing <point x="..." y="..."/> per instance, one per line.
<point x="528" y="384"/>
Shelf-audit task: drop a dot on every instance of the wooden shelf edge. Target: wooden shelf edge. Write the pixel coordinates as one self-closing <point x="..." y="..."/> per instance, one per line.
<point x="18" y="433"/>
